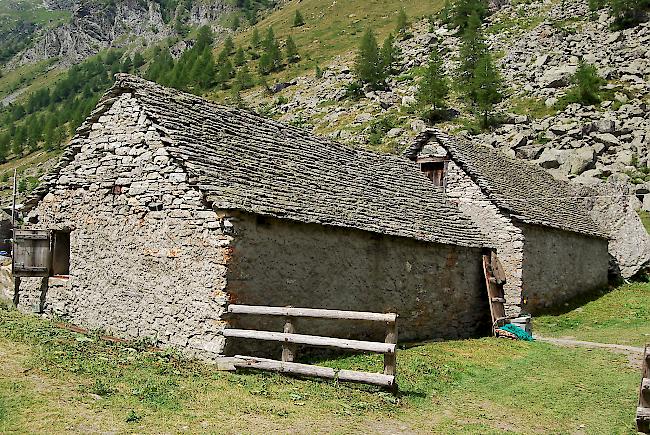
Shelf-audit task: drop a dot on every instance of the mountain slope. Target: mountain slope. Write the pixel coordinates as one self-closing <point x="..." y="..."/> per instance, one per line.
<point x="537" y="44"/>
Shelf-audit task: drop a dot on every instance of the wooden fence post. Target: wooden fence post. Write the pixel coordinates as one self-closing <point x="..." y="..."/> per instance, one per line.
<point x="289" y="349"/>
<point x="390" y="359"/>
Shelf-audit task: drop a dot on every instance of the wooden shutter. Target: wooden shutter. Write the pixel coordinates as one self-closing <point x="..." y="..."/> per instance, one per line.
<point x="32" y="255"/>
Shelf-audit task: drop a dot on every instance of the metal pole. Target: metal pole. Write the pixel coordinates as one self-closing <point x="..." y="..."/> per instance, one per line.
<point x="13" y="205"/>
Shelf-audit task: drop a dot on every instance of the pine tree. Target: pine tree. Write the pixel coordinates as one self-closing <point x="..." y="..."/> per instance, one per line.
<point x="486" y="87"/>
<point x="292" y="51"/>
<point x="298" y="19"/>
<point x="587" y="84"/>
<point x="127" y="65"/>
<point x="244" y="79"/>
<point x="203" y="69"/>
<point x="204" y="38"/>
<point x="138" y="60"/>
<point x="255" y="39"/>
<point x="369" y="67"/>
<point x="272" y="55"/>
<point x="18" y="142"/>
<point x="390" y="55"/>
<point x="236" y="22"/>
<point x="240" y="57"/>
<point x="473" y="48"/>
<point x="229" y="45"/>
<point x="236" y="98"/>
<point x="5" y="141"/>
<point x="224" y="69"/>
<point x="402" y="22"/>
<point x="433" y="88"/>
<point x="628" y="13"/>
<point x="465" y="9"/>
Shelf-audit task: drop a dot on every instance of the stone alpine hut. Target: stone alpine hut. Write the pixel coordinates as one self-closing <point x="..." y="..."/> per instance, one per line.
<point x="550" y="248"/>
<point x="165" y="207"/>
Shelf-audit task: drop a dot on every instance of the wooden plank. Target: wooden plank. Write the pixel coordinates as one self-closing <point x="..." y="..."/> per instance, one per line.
<point x="311" y="340"/>
<point x="288" y="349"/>
<point x="318" y="371"/>
<point x="311" y="312"/>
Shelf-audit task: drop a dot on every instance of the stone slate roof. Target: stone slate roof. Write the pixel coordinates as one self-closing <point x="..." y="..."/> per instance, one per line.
<point x="242" y="161"/>
<point x="523" y="189"/>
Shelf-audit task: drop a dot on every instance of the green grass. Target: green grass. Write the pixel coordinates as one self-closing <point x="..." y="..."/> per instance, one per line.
<point x="621" y="316"/>
<point x="57" y="381"/>
<point x="534" y="108"/>
<point x="331" y="29"/>
<point x="645" y="218"/>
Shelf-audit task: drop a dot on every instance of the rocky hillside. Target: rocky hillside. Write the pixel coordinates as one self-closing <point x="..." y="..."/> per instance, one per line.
<point x="95" y="25"/>
<point x="537" y="43"/>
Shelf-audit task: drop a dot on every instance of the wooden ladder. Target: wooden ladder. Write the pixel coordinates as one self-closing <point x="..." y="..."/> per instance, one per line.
<point x="643" y="408"/>
<point x="494" y="280"/>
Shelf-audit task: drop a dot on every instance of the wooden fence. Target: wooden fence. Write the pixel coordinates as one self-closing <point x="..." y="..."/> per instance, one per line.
<point x="290" y="340"/>
<point x="643" y="408"/>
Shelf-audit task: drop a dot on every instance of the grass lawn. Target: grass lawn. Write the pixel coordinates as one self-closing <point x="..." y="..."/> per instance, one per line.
<point x="621" y="316"/>
<point x="56" y="381"/>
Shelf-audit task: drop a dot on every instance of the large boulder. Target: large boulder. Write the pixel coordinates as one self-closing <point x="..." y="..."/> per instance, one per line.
<point x="611" y="205"/>
<point x="580" y="160"/>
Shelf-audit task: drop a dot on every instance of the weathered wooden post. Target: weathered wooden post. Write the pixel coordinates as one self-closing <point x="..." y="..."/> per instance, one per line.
<point x="390" y="359"/>
<point x="289" y="349"/>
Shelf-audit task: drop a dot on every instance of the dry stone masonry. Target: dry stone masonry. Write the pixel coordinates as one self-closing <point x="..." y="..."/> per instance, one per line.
<point x="176" y="207"/>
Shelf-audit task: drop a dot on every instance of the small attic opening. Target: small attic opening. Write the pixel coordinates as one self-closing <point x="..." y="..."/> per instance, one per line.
<point x="435" y="169"/>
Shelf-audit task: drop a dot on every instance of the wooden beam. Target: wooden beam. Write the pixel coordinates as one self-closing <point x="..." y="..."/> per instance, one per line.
<point x="311" y="312"/>
<point x="318" y="371"/>
<point x="311" y="340"/>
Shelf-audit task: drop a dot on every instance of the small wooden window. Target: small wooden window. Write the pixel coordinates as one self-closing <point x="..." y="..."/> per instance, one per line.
<point x="435" y="171"/>
<point x="60" y="253"/>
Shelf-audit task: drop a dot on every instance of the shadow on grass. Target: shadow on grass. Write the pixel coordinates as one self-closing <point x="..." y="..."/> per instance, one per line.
<point x="575" y="302"/>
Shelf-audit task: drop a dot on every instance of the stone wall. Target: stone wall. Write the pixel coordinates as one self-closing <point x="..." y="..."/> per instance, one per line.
<point x="559" y="265"/>
<point x="497" y="227"/>
<point x="148" y="257"/>
<point x="437" y="290"/>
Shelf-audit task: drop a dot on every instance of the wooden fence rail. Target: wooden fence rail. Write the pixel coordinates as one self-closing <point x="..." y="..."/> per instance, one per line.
<point x="290" y="339"/>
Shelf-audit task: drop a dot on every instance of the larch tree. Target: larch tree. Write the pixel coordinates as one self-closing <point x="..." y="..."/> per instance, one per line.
<point x="433" y="88"/>
<point x="369" y="66"/>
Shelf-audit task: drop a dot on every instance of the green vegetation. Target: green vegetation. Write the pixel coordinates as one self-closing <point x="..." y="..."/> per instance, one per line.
<point x="460" y="12"/>
<point x="645" y="218"/>
<point x="298" y="20"/>
<point x="534" y="108"/>
<point x="433" y="88"/>
<point x="470" y="386"/>
<point x="369" y="66"/>
<point x="479" y="79"/>
<point x="620" y="316"/>
<point x="586" y="87"/>
<point x="50" y="115"/>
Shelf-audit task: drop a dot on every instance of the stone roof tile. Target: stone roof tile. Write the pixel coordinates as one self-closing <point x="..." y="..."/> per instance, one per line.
<point x="243" y="161"/>
<point x="525" y="190"/>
